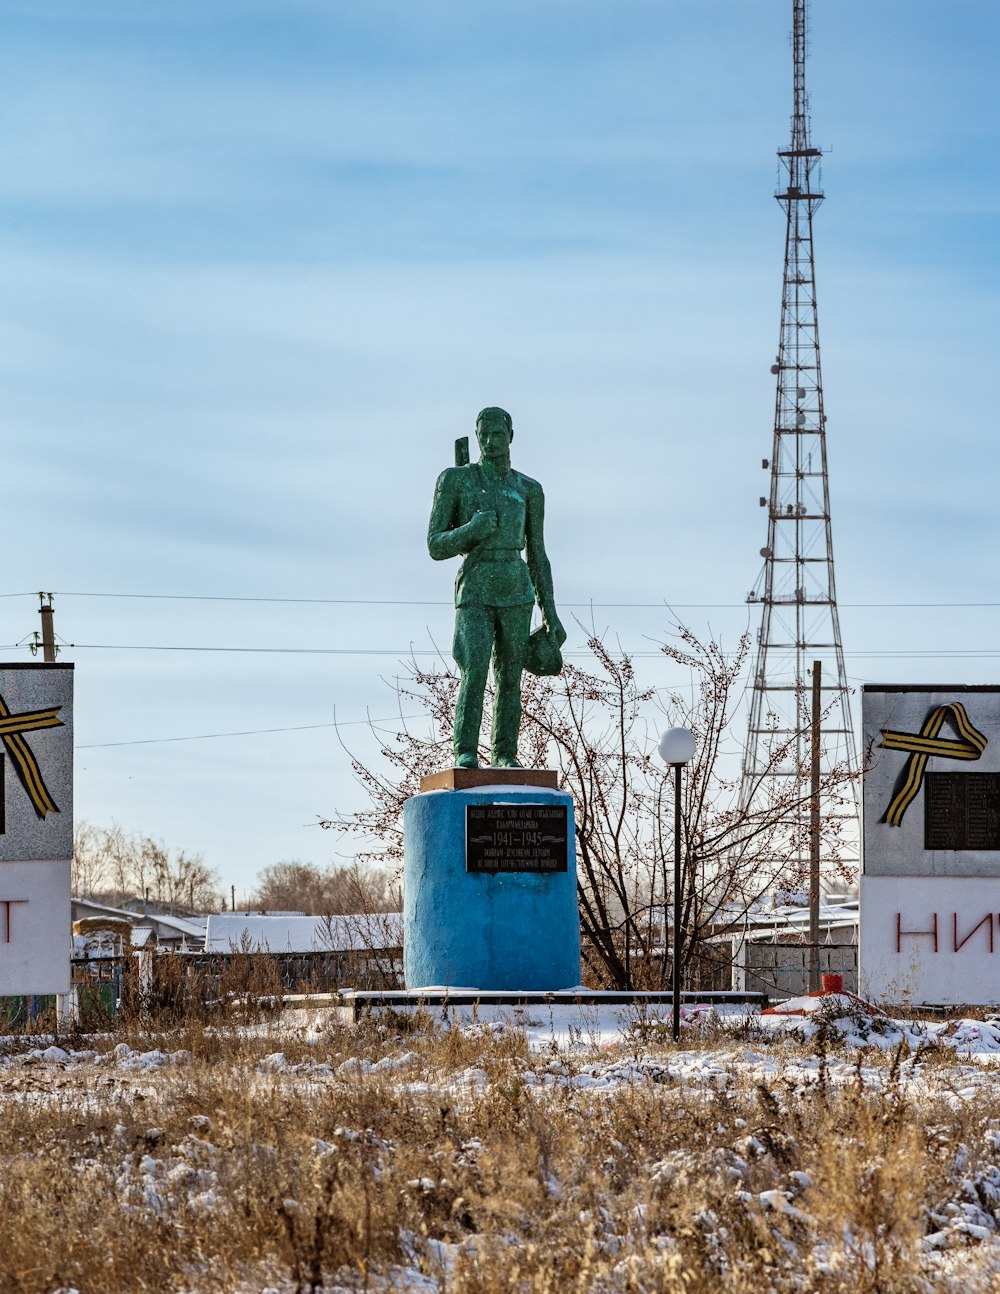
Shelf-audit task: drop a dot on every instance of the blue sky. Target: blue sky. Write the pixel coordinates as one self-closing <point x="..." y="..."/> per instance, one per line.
<point x="260" y="263"/>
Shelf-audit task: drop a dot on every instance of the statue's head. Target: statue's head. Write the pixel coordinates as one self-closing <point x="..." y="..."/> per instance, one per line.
<point x="494" y="431"/>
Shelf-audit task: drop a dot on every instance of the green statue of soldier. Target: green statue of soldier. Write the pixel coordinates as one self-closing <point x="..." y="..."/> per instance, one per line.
<point x="489" y="514"/>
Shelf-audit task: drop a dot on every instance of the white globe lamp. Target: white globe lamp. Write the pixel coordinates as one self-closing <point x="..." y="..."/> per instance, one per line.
<point x="676" y="746"/>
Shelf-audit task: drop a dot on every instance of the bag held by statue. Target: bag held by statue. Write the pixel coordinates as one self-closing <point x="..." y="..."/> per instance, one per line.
<point x="544" y="657"/>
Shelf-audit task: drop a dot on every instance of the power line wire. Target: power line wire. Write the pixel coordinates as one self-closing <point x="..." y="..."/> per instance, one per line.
<point x="410" y="602"/>
<point x="930" y="653"/>
<point x="883" y="653"/>
<point x="247" y="732"/>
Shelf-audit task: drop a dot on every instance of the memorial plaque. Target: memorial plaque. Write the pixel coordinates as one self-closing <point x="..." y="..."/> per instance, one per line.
<point x="516" y="838"/>
<point x="962" y="811"/>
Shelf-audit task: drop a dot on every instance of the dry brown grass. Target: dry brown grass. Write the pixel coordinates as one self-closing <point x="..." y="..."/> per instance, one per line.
<point x="215" y="1174"/>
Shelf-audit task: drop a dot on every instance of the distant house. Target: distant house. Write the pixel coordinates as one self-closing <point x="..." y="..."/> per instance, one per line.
<point x="175" y="934"/>
<point x="770" y="951"/>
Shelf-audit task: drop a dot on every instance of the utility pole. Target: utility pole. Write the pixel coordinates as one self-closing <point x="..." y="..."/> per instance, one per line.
<point x="796" y="591"/>
<point x="47" y="613"/>
<point x="816" y="723"/>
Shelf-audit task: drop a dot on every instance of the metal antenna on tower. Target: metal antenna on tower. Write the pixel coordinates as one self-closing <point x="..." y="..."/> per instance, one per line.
<point x="799" y="623"/>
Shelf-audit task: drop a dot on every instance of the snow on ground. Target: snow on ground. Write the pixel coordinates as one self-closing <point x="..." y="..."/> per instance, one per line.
<point x="587" y="1049"/>
<point x="575" y="1029"/>
<point x="615" y="1040"/>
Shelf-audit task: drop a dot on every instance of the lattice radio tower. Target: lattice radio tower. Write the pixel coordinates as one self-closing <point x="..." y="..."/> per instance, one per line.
<point x="796" y="591"/>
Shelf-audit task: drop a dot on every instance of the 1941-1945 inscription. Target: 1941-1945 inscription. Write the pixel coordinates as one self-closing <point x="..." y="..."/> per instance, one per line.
<point x="516" y="838"/>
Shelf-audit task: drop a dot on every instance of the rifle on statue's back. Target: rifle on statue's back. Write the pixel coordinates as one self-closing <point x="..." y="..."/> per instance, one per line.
<point x="462" y="451"/>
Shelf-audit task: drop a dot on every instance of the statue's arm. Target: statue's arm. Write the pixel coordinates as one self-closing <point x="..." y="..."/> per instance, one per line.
<point x="538" y="562"/>
<point x="445" y="538"/>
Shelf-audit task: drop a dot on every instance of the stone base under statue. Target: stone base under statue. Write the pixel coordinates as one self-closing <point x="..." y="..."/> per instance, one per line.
<point x="489" y="883"/>
<point x="470" y="779"/>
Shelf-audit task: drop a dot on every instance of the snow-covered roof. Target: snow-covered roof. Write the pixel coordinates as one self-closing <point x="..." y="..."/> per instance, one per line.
<point x="192" y="928"/>
<point x="834" y="914"/>
<point x="294" y="934"/>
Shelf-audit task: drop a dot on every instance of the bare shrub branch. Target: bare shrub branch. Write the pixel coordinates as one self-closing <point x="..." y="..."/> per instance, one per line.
<point x="593" y="724"/>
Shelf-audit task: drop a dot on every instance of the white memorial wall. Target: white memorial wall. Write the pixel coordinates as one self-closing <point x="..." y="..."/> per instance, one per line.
<point x="930" y="884"/>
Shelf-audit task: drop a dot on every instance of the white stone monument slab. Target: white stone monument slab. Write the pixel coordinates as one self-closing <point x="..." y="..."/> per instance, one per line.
<point x="36" y="827"/>
<point x="36" y="747"/>
<point x="930" y="889"/>
<point x="35" y="928"/>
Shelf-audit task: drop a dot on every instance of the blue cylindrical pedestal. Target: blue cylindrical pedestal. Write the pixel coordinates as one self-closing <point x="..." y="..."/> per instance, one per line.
<point x="503" y="930"/>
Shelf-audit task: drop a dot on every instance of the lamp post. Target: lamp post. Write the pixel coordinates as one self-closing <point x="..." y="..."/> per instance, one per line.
<point x="676" y="748"/>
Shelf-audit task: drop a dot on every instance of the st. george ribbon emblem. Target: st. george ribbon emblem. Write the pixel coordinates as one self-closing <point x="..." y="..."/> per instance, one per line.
<point x="970" y="745"/>
<point x="12" y="730"/>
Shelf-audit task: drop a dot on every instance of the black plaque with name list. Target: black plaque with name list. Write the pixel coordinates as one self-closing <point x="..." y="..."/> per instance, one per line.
<point x="516" y="838"/>
<point x="962" y="811"/>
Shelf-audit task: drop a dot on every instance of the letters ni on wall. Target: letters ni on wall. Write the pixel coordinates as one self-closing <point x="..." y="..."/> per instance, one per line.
<point x="930" y="885"/>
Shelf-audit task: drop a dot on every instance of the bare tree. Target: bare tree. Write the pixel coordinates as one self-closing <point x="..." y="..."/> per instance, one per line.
<point x="296" y="886"/>
<point x="116" y="867"/>
<point x="91" y="864"/>
<point x="594" y="725"/>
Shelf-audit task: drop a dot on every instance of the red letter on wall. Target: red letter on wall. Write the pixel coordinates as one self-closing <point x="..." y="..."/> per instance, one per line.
<point x="7" y="904"/>
<point x="986" y="921"/>
<point x="900" y="932"/>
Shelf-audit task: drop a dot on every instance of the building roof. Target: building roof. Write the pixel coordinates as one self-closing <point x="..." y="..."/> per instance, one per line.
<point x="767" y="922"/>
<point x="238" y="931"/>
<point x="168" y="928"/>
